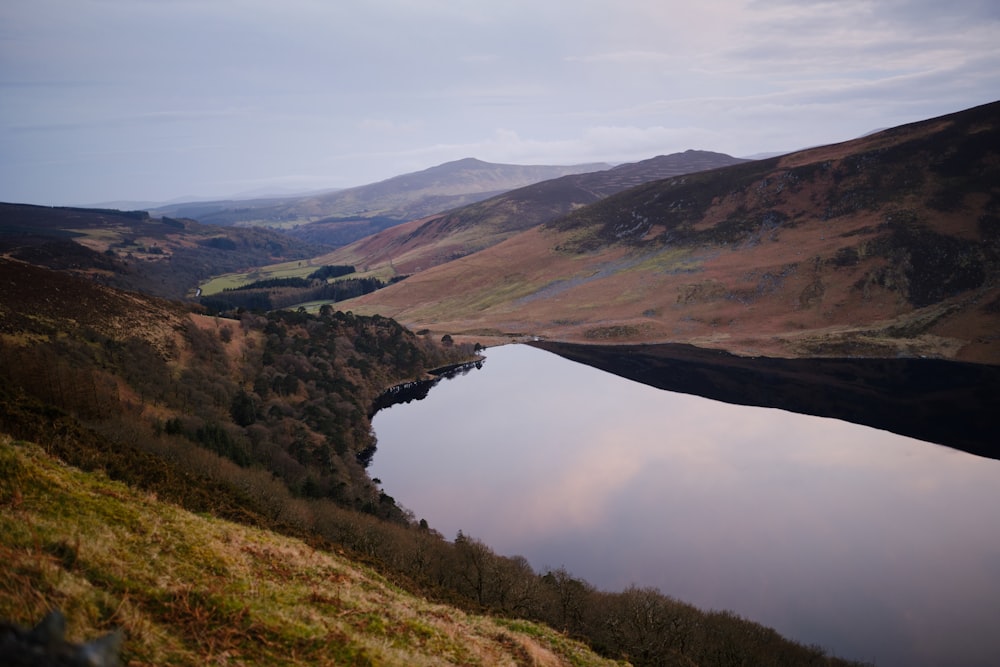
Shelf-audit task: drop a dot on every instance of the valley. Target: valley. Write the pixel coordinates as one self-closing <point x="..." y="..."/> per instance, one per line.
<point x="188" y="377"/>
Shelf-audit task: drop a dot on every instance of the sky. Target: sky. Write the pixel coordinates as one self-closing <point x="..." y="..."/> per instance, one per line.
<point x="163" y="100"/>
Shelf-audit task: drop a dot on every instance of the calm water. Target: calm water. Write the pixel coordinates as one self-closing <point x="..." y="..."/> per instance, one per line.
<point x="875" y="546"/>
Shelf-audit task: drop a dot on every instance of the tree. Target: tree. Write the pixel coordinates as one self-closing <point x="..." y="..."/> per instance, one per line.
<point x="568" y="599"/>
<point x="243" y="409"/>
<point x="513" y="585"/>
<point x="474" y="559"/>
<point x="651" y="628"/>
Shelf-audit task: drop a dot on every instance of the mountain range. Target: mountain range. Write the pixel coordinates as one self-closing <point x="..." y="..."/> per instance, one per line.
<point x="880" y="246"/>
<point x="341" y="216"/>
<point x="885" y="245"/>
<point x="133" y="250"/>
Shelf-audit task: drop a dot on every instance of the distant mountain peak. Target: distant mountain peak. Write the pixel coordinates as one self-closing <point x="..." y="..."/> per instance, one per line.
<point x="465" y="161"/>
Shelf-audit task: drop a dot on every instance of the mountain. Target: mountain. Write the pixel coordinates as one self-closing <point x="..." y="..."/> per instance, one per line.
<point x="342" y="216"/>
<point x="884" y="245"/>
<point x="440" y="238"/>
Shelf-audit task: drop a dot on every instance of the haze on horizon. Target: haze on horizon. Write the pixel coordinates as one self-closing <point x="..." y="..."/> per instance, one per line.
<point x="108" y="100"/>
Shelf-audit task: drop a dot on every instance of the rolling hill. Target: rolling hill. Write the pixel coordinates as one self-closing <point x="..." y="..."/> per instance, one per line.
<point x="446" y="236"/>
<point x="342" y="216"/>
<point x="881" y="246"/>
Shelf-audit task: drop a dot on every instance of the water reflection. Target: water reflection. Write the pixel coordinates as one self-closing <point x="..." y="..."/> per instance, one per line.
<point x="934" y="400"/>
<point x="873" y="545"/>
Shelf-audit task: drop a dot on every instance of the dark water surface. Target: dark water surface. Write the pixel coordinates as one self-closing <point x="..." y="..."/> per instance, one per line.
<point x="873" y="545"/>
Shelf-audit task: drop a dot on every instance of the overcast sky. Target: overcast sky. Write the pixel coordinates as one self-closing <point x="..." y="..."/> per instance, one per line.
<point x="107" y="100"/>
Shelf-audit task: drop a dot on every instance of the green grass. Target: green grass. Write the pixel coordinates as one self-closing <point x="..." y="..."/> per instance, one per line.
<point x="504" y="291"/>
<point x="670" y="260"/>
<point x="295" y="269"/>
<point x="193" y="590"/>
<point x="106" y="236"/>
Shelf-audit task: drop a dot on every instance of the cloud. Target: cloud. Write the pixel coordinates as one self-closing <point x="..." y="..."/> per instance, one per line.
<point x="626" y="58"/>
<point x="384" y="125"/>
<point x="151" y="117"/>
<point x="593" y="144"/>
<point x="355" y="92"/>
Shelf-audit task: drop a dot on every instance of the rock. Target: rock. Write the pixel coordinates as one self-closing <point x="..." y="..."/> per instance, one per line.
<point x="45" y="645"/>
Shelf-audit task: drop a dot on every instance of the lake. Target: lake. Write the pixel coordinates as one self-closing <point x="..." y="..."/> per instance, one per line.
<point x="873" y="545"/>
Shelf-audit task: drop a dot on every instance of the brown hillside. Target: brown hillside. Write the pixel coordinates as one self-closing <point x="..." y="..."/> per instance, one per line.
<point x="436" y="239"/>
<point x="882" y="246"/>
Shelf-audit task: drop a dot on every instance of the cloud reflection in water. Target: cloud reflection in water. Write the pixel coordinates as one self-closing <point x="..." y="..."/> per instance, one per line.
<point x="873" y="545"/>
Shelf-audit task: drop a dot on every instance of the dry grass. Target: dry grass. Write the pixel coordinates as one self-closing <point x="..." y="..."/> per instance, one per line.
<point x="194" y="590"/>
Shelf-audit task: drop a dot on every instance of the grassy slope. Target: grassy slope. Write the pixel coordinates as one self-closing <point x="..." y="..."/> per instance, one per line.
<point x="191" y="589"/>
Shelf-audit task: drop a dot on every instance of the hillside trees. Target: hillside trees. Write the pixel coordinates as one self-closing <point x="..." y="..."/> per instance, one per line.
<point x="289" y="392"/>
<point x="301" y="392"/>
<point x="651" y="628"/>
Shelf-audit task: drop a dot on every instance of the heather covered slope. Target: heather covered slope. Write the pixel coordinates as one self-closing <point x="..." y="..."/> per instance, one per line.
<point x="882" y="246"/>
<point x="288" y="392"/>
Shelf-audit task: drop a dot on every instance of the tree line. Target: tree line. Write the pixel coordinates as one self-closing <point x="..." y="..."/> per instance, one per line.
<point x="323" y="273"/>
<point x="276" y="293"/>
